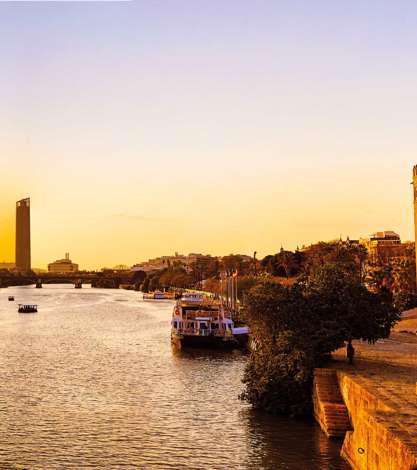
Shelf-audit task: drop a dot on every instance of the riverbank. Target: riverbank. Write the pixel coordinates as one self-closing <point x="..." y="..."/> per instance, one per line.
<point x="379" y="390"/>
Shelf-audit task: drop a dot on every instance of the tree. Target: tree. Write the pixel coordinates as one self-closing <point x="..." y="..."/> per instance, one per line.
<point x="349" y="256"/>
<point x="405" y="301"/>
<point x="403" y="276"/>
<point x="294" y="329"/>
<point x="145" y="285"/>
<point x="154" y="283"/>
<point x="279" y="370"/>
<point x="358" y="313"/>
<point x="139" y="276"/>
<point x="378" y="277"/>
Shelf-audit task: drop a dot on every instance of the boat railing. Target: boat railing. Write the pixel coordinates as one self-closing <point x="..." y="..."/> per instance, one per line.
<point x="203" y="331"/>
<point x="199" y="302"/>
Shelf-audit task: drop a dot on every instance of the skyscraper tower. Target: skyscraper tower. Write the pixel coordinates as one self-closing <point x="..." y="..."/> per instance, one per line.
<point x="415" y="211"/>
<point x="23" y="235"/>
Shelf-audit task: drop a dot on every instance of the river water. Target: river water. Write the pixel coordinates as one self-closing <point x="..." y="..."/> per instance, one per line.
<point x="91" y="381"/>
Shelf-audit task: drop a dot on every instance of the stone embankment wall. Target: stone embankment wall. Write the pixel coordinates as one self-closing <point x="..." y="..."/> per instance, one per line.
<point x="384" y="435"/>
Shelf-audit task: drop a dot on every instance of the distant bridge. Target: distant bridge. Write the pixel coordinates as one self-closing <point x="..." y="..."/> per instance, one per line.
<point x="99" y="279"/>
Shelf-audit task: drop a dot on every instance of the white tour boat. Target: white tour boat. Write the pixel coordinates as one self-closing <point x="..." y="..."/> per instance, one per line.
<point x="201" y="321"/>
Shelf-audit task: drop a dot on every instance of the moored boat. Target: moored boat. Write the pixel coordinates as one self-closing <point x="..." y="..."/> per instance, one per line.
<point x="27" y="308"/>
<point x="201" y="321"/>
<point x="158" y="295"/>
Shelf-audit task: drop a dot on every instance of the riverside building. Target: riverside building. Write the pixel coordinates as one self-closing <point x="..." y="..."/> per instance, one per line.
<point x="64" y="265"/>
<point x="386" y="245"/>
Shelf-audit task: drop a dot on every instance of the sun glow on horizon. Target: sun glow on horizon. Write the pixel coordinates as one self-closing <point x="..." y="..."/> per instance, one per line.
<point x="139" y="130"/>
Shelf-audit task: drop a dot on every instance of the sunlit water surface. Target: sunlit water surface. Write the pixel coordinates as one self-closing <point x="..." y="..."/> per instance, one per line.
<point x="91" y="381"/>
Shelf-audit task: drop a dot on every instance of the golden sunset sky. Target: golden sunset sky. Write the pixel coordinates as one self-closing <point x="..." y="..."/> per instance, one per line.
<point x="143" y="128"/>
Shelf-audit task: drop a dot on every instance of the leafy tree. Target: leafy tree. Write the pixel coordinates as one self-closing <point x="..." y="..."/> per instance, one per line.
<point x="237" y="263"/>
<point x="145" y="285"/>
<point x="405" y="301"/>
<point x="359" y="313"/>
<point x="139" y="276"/>
<point x="294" y="328"/>
<point x="349" y="256"/>
<point x="269" y="264"/>
<point x="212" y="285"/>
<point x="378" y="277"/>
<point x="154" y="283"/>
<point x="244" y="284"/>
<point x="279" y="371"/>
<point x="278" y="378"/>
<point x="403" y="275"/>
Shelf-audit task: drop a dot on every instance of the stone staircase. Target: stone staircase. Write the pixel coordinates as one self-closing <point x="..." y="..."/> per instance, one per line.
<point x="329" y="408"/>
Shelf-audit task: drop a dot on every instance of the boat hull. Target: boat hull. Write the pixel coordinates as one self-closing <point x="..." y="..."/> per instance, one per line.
<point x="194" y="341"/>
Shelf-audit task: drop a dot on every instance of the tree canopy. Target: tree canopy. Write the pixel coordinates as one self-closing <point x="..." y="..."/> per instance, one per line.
<point x="295" y="327"/>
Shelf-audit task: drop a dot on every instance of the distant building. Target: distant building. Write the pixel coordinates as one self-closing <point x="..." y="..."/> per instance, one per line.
<point x="162" y="262"/>
<point x="63" y="265"/>
<point x="23" y="263"/>
<point x="8" y="266"/>
<point x="386" y="245"/>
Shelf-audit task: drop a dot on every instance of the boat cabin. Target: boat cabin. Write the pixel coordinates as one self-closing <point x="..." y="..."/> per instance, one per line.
<point x="196" y="314"/>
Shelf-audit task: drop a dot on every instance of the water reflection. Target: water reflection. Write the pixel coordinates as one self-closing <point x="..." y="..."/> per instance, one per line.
<point x="91" y="381"/>
<point x="281" y="443"/>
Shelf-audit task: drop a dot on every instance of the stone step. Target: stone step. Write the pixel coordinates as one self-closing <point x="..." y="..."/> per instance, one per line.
<point x="329" y="408"/>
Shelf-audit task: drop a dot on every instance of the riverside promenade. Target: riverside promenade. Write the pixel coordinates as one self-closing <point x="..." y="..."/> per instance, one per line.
<point x="379" y="390"/>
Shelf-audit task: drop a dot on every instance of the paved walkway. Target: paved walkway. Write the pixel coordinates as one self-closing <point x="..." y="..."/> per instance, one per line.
<point x="388" y="370"/>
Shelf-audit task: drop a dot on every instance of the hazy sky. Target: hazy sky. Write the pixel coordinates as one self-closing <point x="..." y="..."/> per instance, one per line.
<point x="147" y="127"/>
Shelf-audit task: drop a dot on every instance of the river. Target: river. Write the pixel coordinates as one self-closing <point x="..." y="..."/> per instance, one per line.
<point x="91" y="381"/>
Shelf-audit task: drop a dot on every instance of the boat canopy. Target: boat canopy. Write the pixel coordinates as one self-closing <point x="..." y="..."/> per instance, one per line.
<point x="197" y="296"/>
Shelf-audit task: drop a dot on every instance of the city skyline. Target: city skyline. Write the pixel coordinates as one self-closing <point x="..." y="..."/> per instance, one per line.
<point x="212" y="127"/>
<point x="23" y="243"/>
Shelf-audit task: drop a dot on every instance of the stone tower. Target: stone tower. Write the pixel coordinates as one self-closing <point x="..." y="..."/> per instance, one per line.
<point x="415" y="210"/>
<point x="23" y="235"/>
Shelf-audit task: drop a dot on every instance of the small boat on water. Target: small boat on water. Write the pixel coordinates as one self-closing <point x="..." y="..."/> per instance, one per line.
<point x="11" y="298"/>
<point x="27" y="308"/>
<point x="159" y="295"/>
<point x="201" y="321"/>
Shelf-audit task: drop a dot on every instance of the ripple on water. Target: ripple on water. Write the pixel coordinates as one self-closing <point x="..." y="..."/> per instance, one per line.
<point x="91" y="382"/>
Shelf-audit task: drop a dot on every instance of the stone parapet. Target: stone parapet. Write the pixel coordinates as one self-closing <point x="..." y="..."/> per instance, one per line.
<point x="384" y="435"/>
